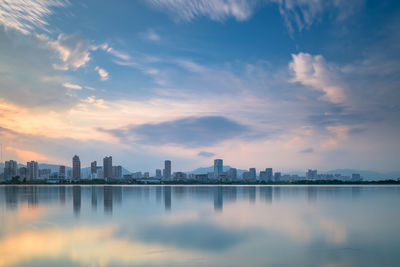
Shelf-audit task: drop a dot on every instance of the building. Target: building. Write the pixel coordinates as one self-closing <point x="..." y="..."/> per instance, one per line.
<point x="202" y="178"/>
<point x="356" y="177"/>
<point x="263" y="176"/>
<point x="158" y="174"/>
<point x="61" y="172"/>
<point x="311" y="175"/>
<point x="232" y="174"/>
<point x="269" y="174"/>
<point x="76" y="168"/>
<point x="218" y="168"/>
<point x="167" y="170"/>
<point x="93" y="169"/>
<point x="117" y="172"/>
<point x="107" y="168"/>
<point x="22" y="173"/>
<point x="253" y="174"/>
<point x="44" y="173"/>
<point x="10" y="170"/>
<point x="32" y="170"/>
<point x="277" y="176"/>
<point x="180" y="176"/>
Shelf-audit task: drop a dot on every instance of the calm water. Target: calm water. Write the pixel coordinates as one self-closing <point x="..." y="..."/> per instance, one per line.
<point x="199" y="226"/>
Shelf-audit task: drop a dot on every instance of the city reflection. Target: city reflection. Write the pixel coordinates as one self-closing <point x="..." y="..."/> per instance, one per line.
<point x="183" y="225"/>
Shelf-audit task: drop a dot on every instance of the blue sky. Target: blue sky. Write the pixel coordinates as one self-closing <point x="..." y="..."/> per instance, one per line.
<point x="292" y="84"/>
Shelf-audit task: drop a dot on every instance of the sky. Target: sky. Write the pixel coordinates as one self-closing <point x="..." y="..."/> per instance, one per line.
<point x="288" y="84"/>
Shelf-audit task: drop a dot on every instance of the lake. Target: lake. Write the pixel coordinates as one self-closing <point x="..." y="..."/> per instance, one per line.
<point x="199" y="226"/>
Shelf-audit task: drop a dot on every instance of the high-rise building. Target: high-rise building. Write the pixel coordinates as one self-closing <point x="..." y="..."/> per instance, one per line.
<point x="44" y="173"/>
<point x="311" y="174"/>
<point x="61" y="172"/>
<point x="76" y="168"/>
<point x="32" y="170"/>
<point x="107" y="168"/>
<point x="277" y="176"/>
<point x="10" y="169"/>
<point x="158" y="173"/>
<point x="269" y="174"/>
<point x="218" y="168"/>
<point x="167" y="170"/>
<point x="117" y="172"/>
<point x="22" y="173"/>
<point x="232" y="174"/>
<point x="263" y="176"/>
<point x="93" y="167"/>
<point x="253" y="174"/>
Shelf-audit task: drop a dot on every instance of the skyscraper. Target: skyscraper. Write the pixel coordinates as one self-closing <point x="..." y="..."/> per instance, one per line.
<point x="93" y="167"/>
<point x="32" y="170"/>
<point x="253" y="174"/>
<point x="117" y="172"/>
<point x="158" y="173"/>
<point x="269" y="174"/>
<point x="61" y="172"/>
<point x="232" y="174"/>
<point x="107" y="167"/>
<point x="10" y="169"/>
<point x="76" y="168"/>
<point x="218" y="168"/>
<point x="167" y="170"/>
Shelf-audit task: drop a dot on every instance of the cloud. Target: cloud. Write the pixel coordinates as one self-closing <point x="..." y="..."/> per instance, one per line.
<point x="119" y="54"/>
<point x="102" y="73"/>
<point x="73" y="50"/>
<point x="218" y="10"/>
<point x="152" y="36"/>
<point x="315" y="72"/>
<point x="196" y="235"/>
<point x="72" y="86"/>
<point x="27" y="16"/>
<point x="205" y="154"/>
<point x="307" y="150"/>
<point x="188" y="132"/>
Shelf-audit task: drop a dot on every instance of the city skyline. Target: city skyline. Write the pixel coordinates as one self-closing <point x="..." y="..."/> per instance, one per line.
<point x="290" y="83"/>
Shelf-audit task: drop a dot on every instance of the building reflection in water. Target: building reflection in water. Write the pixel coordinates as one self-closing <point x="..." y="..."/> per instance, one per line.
<point x="108" y="199"/>
<point x="76" y="199"/>
<point x="11" y="193"/>
<point x="158" y="194"/>
<point x="311" y="194"/>
<point x="266" y="193"/>
<point x="277" y="192"/>
<point x="218" y="200"/>
<point x="61" y="194"/>
<point x="94" y="198"/>
<point x="32" y="195"/>
<point x="167" y="198"/>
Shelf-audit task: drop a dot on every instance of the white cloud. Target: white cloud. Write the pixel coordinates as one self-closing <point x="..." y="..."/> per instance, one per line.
<point x="218" y="10"/>
<point x="102" y="73"/>
<point x="73" y="50"/>
<point x="119" y="54"/>
<point x="299" y="14"/>
<point x="72" y="86"/>
<point x="90" y="88"/>
<point x="152" y="36"/>
<point x="26" y="16"/>
<point x="315" y="72"/>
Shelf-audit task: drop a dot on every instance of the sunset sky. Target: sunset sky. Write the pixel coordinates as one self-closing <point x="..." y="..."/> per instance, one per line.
<point x="288" y="84"/>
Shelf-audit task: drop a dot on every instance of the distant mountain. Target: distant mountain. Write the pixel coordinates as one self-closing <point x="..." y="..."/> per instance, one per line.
<point x="204" y="170"/>
<point x="367" y="175"/>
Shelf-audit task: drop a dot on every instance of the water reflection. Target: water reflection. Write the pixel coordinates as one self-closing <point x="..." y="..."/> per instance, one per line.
<point x="199" y="225"/>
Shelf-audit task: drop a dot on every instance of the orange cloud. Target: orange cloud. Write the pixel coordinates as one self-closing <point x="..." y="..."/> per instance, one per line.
<point x="27" y="155"/>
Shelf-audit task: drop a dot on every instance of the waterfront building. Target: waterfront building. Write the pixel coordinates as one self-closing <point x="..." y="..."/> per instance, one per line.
<point x="218" y="168"/>
<point x="10" y="170"/>
<point x="32" y="170"/>
<point x="107" y="168"/>
<point x="76" y="168"/>
<point x="167" y="170"/>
